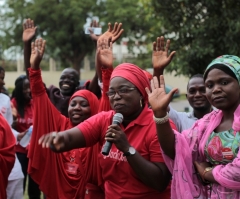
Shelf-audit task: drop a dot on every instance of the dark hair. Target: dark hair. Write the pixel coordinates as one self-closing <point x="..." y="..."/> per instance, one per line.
<point x="195" y="76"/>
<point x="18" y="94"/>
<point x="1" y="69"/>
<point x="221" y="67"/>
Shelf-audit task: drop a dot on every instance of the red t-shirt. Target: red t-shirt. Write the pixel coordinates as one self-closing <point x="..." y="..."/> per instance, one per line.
<point x="120" y="179"/>
<point x="7" y="154"/>
<point x="23" y="123"/>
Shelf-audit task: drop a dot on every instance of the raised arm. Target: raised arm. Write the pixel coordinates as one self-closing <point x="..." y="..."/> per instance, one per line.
<point x="160" y="56"/>
<point x="159" y="102"/>
<point x="109" y="35"/>
<point x="112" y="34"/>
<point x="37" y="52"/>
<point x="105" y="54"/>
<point x="105" y="58"/>
<point x="29" y="31"/>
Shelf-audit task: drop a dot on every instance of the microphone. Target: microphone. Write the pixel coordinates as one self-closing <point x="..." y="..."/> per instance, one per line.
<point x="117" y="119"/>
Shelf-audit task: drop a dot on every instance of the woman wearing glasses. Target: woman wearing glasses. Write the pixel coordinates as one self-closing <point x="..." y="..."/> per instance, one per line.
<point x="134" y="167"/>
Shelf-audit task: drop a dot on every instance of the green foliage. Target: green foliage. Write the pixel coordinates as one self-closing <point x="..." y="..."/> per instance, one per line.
<point x="200" y="31"/>
<point x="136" y="25"/>
<point x="59" y="22"/>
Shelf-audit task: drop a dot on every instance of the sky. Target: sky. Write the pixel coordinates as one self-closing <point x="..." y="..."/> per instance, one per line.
<point x="2" y="2"/>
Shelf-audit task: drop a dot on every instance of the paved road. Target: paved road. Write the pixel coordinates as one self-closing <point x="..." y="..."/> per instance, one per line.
<point x="181" y="105"/>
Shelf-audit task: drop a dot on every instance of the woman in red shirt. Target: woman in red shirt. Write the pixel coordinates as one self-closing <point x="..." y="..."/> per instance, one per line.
<point x="22" y="102"/>
<point x="65" y="175"/>
<point x="134" y="167"/>
<point x="7" y="154"/>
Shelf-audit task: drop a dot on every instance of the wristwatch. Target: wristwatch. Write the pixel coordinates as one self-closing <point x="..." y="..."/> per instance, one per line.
<point x="131" y="151"/>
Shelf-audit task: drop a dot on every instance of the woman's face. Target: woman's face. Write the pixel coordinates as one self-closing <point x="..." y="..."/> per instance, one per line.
<point x="78" y="110"/>
<point x="222" y="90"/>
<point x="124" y="97"/>
<point x="26" y="90"/>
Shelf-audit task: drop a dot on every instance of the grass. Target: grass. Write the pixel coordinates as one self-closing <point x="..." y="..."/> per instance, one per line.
<point x="25" y="196"/>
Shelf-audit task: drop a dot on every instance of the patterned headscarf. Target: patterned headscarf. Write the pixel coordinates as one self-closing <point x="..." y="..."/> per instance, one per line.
<point x="231" y="61"/>
<point x="133" y="74"/>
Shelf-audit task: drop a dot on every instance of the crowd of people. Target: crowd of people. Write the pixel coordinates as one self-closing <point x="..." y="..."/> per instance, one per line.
<point x="152" y="150"/>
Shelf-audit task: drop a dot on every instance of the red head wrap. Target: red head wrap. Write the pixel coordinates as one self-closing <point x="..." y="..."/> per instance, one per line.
<point x="149" y="75"/>
<point x="90" y="97"/>
<point x="133" y="74"/>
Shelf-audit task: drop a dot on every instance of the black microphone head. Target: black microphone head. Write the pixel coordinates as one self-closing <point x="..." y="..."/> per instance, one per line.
<point x="117" y="118"/>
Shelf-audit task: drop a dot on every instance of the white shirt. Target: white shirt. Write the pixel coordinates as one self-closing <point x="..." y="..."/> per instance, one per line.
<point x="5" y="109"/>
<point x="182" y="120"/>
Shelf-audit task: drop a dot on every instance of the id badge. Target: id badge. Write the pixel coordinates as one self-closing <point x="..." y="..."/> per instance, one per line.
<point x="71" y="168"/>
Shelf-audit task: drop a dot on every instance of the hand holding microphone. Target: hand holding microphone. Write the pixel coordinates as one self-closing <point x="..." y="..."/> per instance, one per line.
<point x="117" y="119"/>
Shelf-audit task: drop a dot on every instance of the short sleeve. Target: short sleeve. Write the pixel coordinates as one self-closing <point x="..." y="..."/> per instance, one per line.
<point x="94" y="128"/>
<point x="155" y="151"/>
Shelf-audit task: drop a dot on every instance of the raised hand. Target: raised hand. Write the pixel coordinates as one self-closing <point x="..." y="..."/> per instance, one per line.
<point x="94" y="24"/>
<point x="105" y="55"/>
<point x="160" y="55"/>
<point x="29" y="30"/>
<point x="158" y="98"/>
<point x="37" y="51"/>
<point x="114" y="33"/>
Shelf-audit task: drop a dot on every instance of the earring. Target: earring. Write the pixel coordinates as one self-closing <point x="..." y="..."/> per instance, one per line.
<point x="141" y="102"/>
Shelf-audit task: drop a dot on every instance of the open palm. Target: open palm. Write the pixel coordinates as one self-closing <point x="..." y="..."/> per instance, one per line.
<point x="112" y="34"/>
<point x="105" y="53"/>
<point x="29" y="30"/>
<point x="160" y="55"/>
<point x="37" y="51"/>
<point x="157" y="97"/>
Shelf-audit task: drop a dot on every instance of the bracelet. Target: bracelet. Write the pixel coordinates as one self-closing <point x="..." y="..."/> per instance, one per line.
<point x="204" y="172"/>
<point x="161" y="120"/>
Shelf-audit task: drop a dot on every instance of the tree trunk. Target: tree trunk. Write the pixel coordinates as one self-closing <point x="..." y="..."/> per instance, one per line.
<point x="77" y="62"/>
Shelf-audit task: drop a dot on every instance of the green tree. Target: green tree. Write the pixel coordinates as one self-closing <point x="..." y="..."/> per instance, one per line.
<point x="136" y="25"/>
<point x="60" y="22"/>
<point x="200" y="30"/>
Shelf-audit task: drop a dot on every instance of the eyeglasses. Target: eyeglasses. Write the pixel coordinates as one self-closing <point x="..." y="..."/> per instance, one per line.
<point x="120" y="92"/>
